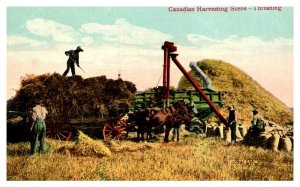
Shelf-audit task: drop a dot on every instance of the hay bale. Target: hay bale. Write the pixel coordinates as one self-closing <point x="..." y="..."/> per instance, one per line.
<point x="243" y="130"/>
<point x="227" y="135"/>
<point x="86" y="146"/>
<point x="285" y="144"/>
<point x="273" y="142"/>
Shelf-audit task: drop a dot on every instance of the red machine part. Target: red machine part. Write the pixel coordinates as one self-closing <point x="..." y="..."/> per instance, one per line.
<point x="169" y="47"/>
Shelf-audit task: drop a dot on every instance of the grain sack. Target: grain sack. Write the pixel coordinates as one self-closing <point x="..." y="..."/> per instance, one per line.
<point x="269" y="129"/>
<point x="227" y="135"/>
<point x="273" y="142"/>
<point x="238" y="135"/>
<point x="243" y="130"/>
<point x="285" y="144"/>
<point x="262" y="140"/>
<point x="292" y="140"/>
<point x="220" y="132"/>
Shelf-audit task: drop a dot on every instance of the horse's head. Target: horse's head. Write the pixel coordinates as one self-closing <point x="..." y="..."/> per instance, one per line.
<point x="182" y="108"/>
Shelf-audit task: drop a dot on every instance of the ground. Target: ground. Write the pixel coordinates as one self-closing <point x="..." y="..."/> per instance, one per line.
<point x="194" y="158"/>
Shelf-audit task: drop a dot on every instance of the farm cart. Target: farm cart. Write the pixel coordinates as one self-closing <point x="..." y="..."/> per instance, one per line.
<point x="206" y="100"/>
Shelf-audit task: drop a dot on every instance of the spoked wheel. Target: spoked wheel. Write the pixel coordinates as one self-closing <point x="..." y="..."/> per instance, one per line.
<point x="197" y="126"/>
<point x="115" y="130"/>
<point x="59" y="134"/>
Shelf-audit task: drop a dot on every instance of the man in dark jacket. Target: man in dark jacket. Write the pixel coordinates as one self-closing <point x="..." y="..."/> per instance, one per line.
<point x="73" y="58"/>
<point x="232" y="120"/>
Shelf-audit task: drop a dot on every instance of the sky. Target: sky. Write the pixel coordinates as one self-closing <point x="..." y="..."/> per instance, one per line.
<point x="128" y="40"/>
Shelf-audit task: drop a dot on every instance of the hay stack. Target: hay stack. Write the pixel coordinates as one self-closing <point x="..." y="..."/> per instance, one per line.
<point x="241" y="90"/>
<point x="73" y="96"/>
<point x="86" y="146"/>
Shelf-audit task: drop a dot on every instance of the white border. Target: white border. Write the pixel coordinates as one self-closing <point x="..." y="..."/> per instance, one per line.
<point x="149" y="3"/>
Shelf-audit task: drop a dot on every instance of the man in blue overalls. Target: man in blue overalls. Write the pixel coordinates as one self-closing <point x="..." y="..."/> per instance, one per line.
<point x="38" y="130"/>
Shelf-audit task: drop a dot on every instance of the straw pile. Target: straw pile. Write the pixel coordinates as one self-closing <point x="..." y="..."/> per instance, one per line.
<point x="242" y="91"/>
<point x="127" y="146"/>
<point x="86" y="146"/>
<point x="73" y="96"/>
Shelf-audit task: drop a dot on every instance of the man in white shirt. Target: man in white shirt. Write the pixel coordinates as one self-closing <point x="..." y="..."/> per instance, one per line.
<point x="38" y="130"/>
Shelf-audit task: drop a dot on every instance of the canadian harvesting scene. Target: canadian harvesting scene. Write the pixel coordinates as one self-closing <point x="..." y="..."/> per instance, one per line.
<point x="111" y="94"/>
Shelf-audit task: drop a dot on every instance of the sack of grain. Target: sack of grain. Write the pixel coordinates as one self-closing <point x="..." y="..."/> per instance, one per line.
<point x="238" y="135"/>
<point x="285" y="144"/>
<point x="262" y="140"/>
<point x="292" y="140"/>
<point x="243" y="130"/>
<point x="273" y="142"/>
<point x="220" y="132"/>
<point x="227" y="135"/>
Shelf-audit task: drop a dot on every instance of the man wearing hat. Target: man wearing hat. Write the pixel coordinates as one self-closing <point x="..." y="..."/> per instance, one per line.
<point x="232" y="120"/>
<point x="255" y="126"/>
<point x="73" y="58"/>
<point x="254" y="119"/>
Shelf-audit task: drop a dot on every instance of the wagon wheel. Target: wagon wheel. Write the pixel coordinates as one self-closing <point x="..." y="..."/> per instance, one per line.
<point x="115" y="130"/>
<point x="197" y="126"/>
<point x="56" y="133"/>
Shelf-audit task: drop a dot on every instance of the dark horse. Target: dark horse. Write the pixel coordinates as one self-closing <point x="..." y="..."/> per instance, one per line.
<point x="168" y="117"/>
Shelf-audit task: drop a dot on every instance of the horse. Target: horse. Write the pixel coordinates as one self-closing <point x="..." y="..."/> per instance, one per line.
<point x="149" y="118"/>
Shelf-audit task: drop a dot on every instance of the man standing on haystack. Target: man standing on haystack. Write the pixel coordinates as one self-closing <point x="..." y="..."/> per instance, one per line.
<point x="38" y="129"/>
<point x="73" y="58"/>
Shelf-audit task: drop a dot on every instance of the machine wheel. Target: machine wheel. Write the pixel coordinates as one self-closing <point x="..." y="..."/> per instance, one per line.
<point x="115" y="130"/>
<point x="197" y="126"/>
<point x="59" y="134"/>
